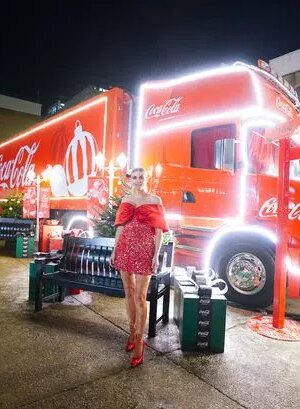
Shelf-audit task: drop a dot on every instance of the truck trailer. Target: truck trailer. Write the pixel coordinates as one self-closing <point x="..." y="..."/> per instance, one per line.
<point x="209" y="142"/>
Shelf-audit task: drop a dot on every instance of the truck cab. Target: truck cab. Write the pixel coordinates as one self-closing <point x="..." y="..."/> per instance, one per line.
<point x="219" y="170"/>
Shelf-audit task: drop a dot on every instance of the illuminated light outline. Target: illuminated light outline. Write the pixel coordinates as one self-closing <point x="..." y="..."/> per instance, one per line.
<point x="74" y="218"/>
<point x="199" y="75"/>
<point x="235" y="68"/>
<point x="238" y="229"/>
<point x="208" y="218"/>
<point x="174" y="216"/>
<point x="244" y="173"/>
<point x="138" y="130"/>
<point x="254" y="111"/>
<point x="266" y="122"/>
<point x="56" y="198"/>
<point x="257" y="88"/>
<point x="296" y="136"/>
<point x="232" y="69"/>
<point x="295" y="270"/>
<point x="166" y="83"/>
<point x="250" y="111"/>
<point x="104" y="130"/>
<point x="60" y="118"/>
<point x="272" y="77"/>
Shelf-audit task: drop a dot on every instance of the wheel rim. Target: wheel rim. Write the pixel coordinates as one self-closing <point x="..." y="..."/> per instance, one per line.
<point x="246" y="273"/>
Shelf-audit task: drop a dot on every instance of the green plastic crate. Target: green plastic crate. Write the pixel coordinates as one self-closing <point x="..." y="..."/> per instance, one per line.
<point x="24" y="246"/>
<point x="185" y="311"/>
<point x="188" y="328"/>
<point x="48" y="289"/>
<point x="33" y="271"/>
<point x="217" y="322"/>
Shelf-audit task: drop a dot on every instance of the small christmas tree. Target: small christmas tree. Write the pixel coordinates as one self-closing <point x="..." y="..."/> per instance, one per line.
<point x="104" y="225"/>
<point x="12" y="206"/>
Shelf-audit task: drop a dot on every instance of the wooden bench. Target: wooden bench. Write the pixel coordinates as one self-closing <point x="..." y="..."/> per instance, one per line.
<point x="84" y="264"/>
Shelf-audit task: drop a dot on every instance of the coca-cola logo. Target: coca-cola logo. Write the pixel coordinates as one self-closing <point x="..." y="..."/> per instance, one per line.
<point x="170" y="106"/>
<point x="269" y="208"/>
<point x="284" y="107"/>
<point x="13" y="173"/>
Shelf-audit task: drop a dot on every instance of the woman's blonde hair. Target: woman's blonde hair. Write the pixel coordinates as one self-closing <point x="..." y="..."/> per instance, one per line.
<point x="136" y="170"/>
<point x="139" y="170"/>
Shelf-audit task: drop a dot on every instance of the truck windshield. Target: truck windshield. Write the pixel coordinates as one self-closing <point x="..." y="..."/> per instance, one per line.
<point x="295" y="169"/>
<point x="262" y="155"/>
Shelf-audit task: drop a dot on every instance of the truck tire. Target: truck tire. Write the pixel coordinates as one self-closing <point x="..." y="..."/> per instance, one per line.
<point x="248" y="270"/>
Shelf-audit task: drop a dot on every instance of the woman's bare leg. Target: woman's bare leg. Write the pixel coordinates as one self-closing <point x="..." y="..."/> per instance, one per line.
<point x="129" y="288"/>
<point x="141" y="288"/>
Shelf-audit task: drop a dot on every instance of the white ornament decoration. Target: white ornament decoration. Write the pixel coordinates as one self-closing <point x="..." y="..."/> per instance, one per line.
<point x="80" y="145"/>
<point x="58" y="182"/>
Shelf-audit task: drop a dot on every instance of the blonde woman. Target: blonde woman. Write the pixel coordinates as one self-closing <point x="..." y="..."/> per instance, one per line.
<point x="140" y="223"/>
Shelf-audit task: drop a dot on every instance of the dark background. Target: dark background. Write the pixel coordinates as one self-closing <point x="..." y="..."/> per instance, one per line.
<point x="54" y="49"/>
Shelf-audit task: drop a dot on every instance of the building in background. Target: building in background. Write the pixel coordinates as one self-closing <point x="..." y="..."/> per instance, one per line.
<point x="17" y="114"/>
<point x="288" y="66"/>
<point x="83" y="95"/>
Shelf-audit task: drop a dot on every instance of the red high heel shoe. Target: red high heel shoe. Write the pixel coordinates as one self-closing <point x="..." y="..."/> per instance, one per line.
<point x="135" y="361"/>
<point x="130" y="346"/>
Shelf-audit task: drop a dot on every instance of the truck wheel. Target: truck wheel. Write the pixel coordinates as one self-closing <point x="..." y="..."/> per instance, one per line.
<point x="249" y="273"/>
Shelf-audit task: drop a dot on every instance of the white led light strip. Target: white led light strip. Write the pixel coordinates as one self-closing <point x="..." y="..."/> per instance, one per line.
<point x="243" y="181"/>
<point x="231" y="69"/>
<point x="294" y="269"/>
<point x="249" y="229"/>
<point x="58" y="119"/>
<point x="271" y="77"/>
<point x="245" y="113"/>
<point x="250" y="116"/>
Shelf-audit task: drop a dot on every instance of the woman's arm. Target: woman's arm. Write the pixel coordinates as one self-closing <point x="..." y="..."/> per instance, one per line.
<point x="118" y="233"/>
<point x="119" y="229"/>
<point x="158" y="243"/>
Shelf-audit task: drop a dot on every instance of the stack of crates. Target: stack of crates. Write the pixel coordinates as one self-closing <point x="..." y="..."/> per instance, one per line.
<point x="217" y="321"/>
<point x="34" y="270"/>
<point x="204" y="317"/>
<point x="10" y="227"/>
<point x="24" y="246"/>
<point x="185" y="311"/>
<point x="200" y="314"/>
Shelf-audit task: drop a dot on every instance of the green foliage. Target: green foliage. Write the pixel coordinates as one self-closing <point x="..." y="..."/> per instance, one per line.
<point x="12" y="206"/>
<point x="104" y="225"/>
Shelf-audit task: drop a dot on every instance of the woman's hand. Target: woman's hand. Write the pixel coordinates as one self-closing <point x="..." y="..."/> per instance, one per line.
<point x="112" y="258"/>
<point x="155" y="263"/>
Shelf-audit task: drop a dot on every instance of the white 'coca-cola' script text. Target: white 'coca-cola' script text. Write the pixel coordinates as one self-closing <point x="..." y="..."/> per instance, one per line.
<point x="269" y="208"/>
<point x="13" y="173"/>
<point x="171" y="106"/>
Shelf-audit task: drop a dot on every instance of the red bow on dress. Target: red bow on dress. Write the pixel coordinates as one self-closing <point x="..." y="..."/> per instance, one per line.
<point x="150" y="214"/>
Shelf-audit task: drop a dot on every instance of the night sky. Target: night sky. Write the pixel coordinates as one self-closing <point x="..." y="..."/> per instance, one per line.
<point x="54" y="49"/>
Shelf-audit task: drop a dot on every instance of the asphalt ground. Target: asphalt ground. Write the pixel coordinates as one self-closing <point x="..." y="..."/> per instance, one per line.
<point x="71" y="355"/>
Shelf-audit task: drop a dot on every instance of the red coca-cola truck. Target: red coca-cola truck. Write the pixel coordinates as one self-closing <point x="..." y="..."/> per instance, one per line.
<point x="209" y="141"/>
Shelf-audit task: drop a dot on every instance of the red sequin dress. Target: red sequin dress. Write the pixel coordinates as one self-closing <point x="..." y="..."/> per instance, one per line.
<point x="136" y="245"/>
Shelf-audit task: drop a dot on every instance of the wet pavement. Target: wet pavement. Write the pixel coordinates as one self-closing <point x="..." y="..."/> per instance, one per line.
<point x="71" y="355"/>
